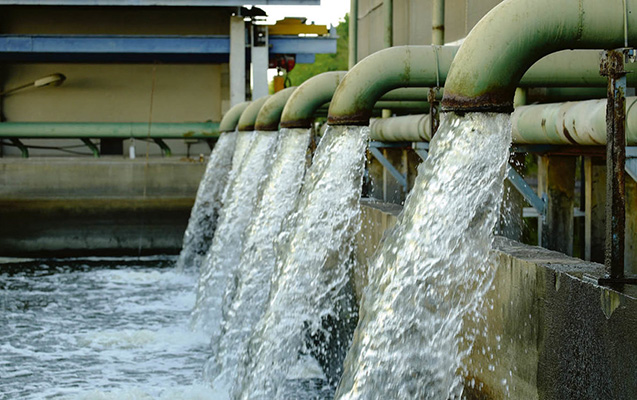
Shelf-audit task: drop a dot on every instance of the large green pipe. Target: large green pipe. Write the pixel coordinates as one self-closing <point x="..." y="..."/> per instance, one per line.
<point x="315" y="92"/>
<point x="138" y="130"/>
<point x="395" y="67"/>
<point x="422" y="66"/>
<point x="409" y="128"/>
<point x="516" y="33"/>
<point x="270" y="114"/>
<point x="571" y="123"/>
<point x="250" y="114"/>
<point x="309" y="97"/>
<point x="581" y="123"/>
<point x="231" y="118"/>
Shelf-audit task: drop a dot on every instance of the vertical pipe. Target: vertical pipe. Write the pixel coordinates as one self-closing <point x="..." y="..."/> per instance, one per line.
<point x="237" y="60"/>
<point x="389" y="22"/>
<point x="438" y="23"/>
<point x="613" y="67"/>
<point x="353" y="33"/>
<point x="260" y="60"/>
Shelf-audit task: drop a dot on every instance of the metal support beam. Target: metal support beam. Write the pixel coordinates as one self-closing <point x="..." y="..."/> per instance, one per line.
<point x="402" y="179"/>
<point x="23" y="149"/>
<point x="92" y="147"/>
<point x="165" y="150"/>
<point x="260" y="60"/>
<point x="612" y="66"/>
<point x="421" y="148"/>
<point x="539" y="204"/>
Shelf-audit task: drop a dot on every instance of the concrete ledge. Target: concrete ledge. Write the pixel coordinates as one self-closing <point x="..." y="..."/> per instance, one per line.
<point x="548" y="332"/>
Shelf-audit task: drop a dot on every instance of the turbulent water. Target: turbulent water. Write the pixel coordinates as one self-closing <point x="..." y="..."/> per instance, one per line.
<point x="99" y="329"/>
<point x="218" y="270"/>
<point x="279" y="197"/>
<point x="203" y="217"/>
<point x="432" y="270"/>
<point x="297" y="348"/>
<point x="243" y="142"/>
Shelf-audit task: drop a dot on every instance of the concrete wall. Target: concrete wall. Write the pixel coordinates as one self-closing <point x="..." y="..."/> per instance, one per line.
<point x="412" y="22"/>
<point x="549" y="331"/>
<point x="116" y="92"/>
<point x="108" y="206"/>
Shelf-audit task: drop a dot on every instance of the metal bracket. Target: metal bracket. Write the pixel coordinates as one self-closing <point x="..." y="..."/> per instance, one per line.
<point x="421" y="148"/>
<point x="91" y="145"/>
<point x="164" y="147"/>
<point x="23" y="149"/>
<point x="402" y="179"/>
<point x="539" y="204"/>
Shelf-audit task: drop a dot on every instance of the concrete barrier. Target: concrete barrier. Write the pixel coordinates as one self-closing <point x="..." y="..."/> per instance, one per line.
<point x="548" y="331"/>
<point x="110" y="206"/>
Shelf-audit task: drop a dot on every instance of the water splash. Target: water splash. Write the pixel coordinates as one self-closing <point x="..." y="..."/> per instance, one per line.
<point x="243" y="143"/>
<point x="204" y="214"/>
<point x="432" y="270"/>
<point x="298" y="345"/>
<point x="223" y="257"/>
<point x="254" y="275"/>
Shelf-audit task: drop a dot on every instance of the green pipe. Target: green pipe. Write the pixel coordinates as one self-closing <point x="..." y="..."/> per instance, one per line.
<point x="388" y="5"/>
<point x="231" y="118"/>
<point x="580" y="123"/>
<point x="409" y="128"/>
<point x="138" y="130"/>
<point x="438" y="22"/>
<point x="250" y="114"/>
<point x="24" y="150"/>
<point x="308" y="98"/>
<point x="353" y="33"/>
<point x="516" y="33"/>
<point x="270" y="114"/>
<point x="555" y="95"/>
<point x="423" y="66"/>
<point x="91" y="146"/>
<point x="572" y="123"/>
<point x="395" y="67"/>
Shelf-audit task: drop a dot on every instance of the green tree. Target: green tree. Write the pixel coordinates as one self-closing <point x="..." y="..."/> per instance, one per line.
<point x="325" y="62"/>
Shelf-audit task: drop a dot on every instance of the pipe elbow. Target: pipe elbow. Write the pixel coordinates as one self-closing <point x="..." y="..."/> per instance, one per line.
<point x="231" y="118"/>
<point x="512" y="36"/>
<point x="308" y="98"/>
<point x="270" y="113"/>
<point x="391" y="68"/>
<point x="249" y="116"/>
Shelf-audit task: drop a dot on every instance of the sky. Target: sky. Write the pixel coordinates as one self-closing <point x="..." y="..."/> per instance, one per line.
<point x="329" y="12"/>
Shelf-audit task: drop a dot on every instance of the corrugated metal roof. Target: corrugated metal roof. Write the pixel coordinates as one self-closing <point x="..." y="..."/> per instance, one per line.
<point x="172" y="3"/>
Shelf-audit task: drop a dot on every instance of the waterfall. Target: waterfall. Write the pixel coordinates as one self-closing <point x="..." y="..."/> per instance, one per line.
<point x="218" y="270"/>
<point x="432" y="270"/>
<point x="203" y="217"/>
<point x="254" y="275"/>
<point x="297" y="347"/>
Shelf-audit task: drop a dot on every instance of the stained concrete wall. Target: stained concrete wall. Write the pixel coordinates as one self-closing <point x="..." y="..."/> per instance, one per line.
<point x="549" y="331"/>
<point x="412" y="22"/>
<point x="109" y="206"/>
<point x="116" y="92"/>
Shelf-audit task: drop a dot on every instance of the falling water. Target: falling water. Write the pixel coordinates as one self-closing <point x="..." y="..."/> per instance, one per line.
<point x="223" y="257"/>
<point x="279" y="197"/>
<point x="203" y="217"/>
<point x="298" y="345"/>
<point x="432" y="270"/>
<point x="243" y="142"/>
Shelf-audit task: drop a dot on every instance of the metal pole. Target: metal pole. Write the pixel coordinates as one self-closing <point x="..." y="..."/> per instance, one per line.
<point x="353" y="33"/>
<point x="438" y="23"/>
<point x="612" y="66"/>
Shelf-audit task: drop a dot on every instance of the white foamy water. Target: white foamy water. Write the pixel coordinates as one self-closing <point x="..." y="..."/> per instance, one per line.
<point x="219" y="268"/>
<point x="297" y="347"/>
<point x="204" y="213"/>
<point x="254" y="273"/>
<point x="98" y="329"/>
<point x="432" y="270"/>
